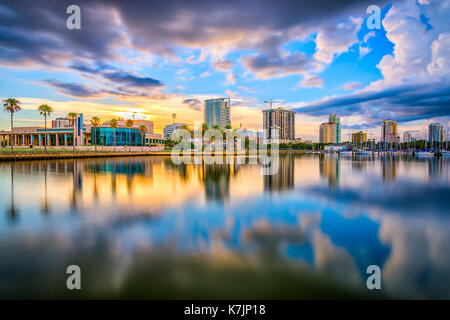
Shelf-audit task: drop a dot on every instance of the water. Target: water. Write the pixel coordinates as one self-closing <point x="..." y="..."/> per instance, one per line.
<point x="146" y="228"/>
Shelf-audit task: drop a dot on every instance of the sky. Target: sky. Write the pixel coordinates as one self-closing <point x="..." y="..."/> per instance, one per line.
<point x="156" y="58"/>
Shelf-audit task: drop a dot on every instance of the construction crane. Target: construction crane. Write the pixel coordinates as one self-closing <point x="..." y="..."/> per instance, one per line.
<point x="269" y="102"/>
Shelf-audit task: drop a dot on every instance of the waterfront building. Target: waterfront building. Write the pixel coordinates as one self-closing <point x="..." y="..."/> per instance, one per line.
<point x="389" y="131"/>
<point x="104" y="136"/>
<point x="35" y="136"/>
<point x="217" y="112"/>
<point x="80" y="134"/>
<point x="170" y="129"/>
<point x="330" y="132"/>
<point x="66" y="135"/>
<point x="359" y="138"/>
<point x="61" y="123"/>
<point x="154" y="140"/>
<point x="436" y="133"/>
<point x="281" y="119"/>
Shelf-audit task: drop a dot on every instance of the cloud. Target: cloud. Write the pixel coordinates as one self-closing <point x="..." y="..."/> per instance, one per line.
<point x="418" y="49"/>
<point x="119" y="76"/>
<point x="440" y="55"/>
<point x="194" y="104"/>
<point x="245" y="89"/>
<point x="34" y="33"/>
<point x="223" y="65"/>
<point x="402" y="103"/>
<point x="353" y="85"/>
<point x="40" y="36"/>
<point x="231" y="78"/>
<point x="205" y="74"/>
<point x="274" y="65"/>
<point x="129" y="79"/>
<point x="335" y="39"/>
<point x="72" y="89"/>
<point x="312" y="81"/>
<point x="232" y="94"/>
<point x="85" y="91"/>
<point x="369" y="35"/>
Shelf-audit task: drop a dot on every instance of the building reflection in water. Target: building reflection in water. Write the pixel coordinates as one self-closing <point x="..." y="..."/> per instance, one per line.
<point x="435" y="168"/>
<point x="329" y="167"/>
<point x="389" y="166"/>
<point x="216" y="179"/>
<point x="140" y="207"/>
<point x="283" y="180"/>
<point x="181" y="169"/>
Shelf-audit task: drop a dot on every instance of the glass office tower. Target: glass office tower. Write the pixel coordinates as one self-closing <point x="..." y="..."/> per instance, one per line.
<point x="337" y="121"/>
<point x="217" y="112"/>
<point x="436" y="133"/>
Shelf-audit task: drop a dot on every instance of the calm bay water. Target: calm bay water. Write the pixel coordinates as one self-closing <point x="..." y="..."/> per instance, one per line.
<point x="146" y="228"/>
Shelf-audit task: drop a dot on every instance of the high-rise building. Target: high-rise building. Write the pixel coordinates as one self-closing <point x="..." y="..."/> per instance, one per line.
<point x="407" y="136"/>
<point x="359" y="137"/>
<point x="337" y="121"/>
<point x="389" y="131"/>
<point x="281" y="119"/>
<point x="327" y="133"/>
<point x="330" y="132"/>
<point x="436" y="133"/>
<point x="217" y="112"/>
<point x="170" y="129"/>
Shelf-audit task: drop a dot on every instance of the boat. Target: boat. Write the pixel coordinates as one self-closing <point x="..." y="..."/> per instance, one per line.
<point x="424" y="154"/>
<point x="445" y="153"/>
<point x="363" y="152"/>
<point x="345" y="152"/>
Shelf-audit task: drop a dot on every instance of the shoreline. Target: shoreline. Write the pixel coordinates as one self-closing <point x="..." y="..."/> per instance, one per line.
<point x="79" y="155"/>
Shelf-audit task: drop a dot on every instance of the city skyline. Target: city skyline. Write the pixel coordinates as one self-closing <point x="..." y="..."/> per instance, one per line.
<point x="328" y="63"/>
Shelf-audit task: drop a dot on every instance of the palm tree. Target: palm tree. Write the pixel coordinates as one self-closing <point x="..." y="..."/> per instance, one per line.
<point x="72" y="116"/>
<point x="129" y="123"/>
<point x="95" y="121"/>
<point x="113" y="125"/>
<point x="11" y="105"/>
<point x="45" y="111"/>
<point x="143" y="131"/>
<point x="186" y="127"/>
<point x="204" y="128"/>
